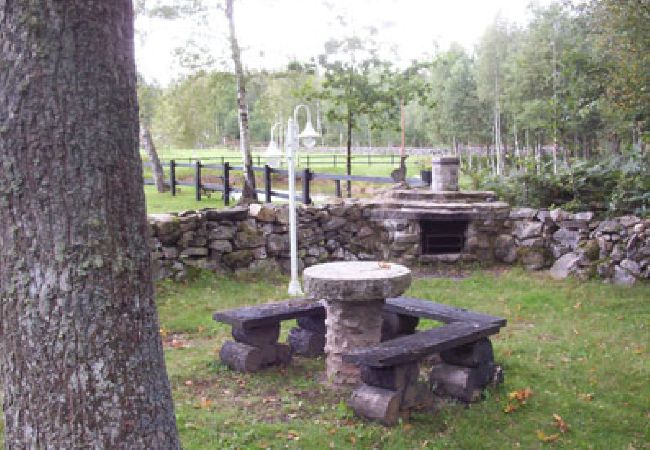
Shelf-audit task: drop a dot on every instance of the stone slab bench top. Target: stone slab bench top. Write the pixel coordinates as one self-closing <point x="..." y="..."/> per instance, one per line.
<point x="417" y="307"/>
<point x="259" y="315"/>
<point x="356" y="280"/>
<point x="414" y="347"/>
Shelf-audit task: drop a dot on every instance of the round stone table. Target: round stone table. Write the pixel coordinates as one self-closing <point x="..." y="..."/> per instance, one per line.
<point x="354" y="295"/>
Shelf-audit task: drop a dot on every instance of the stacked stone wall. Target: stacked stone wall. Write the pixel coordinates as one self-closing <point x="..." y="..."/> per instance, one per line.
<point x="257" y="239"/>
<point x="577" y="244"/>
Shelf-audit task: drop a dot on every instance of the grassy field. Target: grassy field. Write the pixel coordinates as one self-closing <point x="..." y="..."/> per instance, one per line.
<point x="580" y="347"/>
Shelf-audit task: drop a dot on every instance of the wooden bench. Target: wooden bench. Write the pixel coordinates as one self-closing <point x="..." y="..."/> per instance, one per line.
<point x="256" y="330"/>
<point x="390" y="369"/>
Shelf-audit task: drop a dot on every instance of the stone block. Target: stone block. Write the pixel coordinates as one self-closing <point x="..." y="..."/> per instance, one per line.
<point x="523" y="213"/>
<point x="568" y="238"/>
<point x="221" y="232"/>
<point x="566" y="265"/>
<point x="194" y="251"/>
<point x="622" y="277"/>
<point x="531" y="259"/>
<point x="170" y="252"/>
<point x="221" y="246"/>
<point x="248" y="236"/>
<point x="558" y="215"/>
<point x="526" y="230"/>
<point x="334" y="223"/>
<point x="262" y="212"/>
<point x="238" y="259"/>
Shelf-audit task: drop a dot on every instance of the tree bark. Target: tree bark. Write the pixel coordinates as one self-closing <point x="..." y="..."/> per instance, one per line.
<point x="248" y="191"/>
<point x="81" y="355"/>
<point x="150" y="148"/>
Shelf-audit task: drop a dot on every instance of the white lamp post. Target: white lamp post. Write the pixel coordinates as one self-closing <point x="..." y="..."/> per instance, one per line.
<point x="273" y="153"/>
<point x="308" y="137"/>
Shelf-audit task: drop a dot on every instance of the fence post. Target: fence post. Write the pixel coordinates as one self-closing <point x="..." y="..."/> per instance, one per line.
<point x="392" y="159"/>
<point x="267" y="182"/>
<point x="335" y="160"/>
<point x="337" y="188"/>
<point x="172" y="176"/>
<point x="197" y="180"/>
<point x="306" y="179"/>
<point x="223" y="160"/>
<point x="308" y="161"/>
<point x="226" y="183"/>
<point x="258" y="160"/>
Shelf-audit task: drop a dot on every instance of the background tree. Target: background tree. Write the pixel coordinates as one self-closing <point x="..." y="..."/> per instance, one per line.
<point x="248" y="191"/>
<point x="80" y="349"/>
<point x="349" y="88"/>
<point x="147" y="96"/>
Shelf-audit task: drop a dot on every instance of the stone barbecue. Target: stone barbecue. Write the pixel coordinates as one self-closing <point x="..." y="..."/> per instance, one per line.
<point x="440" y="223"/>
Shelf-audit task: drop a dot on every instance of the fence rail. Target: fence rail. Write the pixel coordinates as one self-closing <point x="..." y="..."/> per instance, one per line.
<point x="304" y="160"/>
<point x="306" y="176"/>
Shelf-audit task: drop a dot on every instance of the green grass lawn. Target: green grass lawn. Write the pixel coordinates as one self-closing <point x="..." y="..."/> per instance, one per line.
<point x="184" y="200"/>
<point x="581" y="347"/>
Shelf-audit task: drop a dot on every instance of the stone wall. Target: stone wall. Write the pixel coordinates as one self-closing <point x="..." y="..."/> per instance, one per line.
<point x="257" y="239"/>
<point x="576" y="244"/>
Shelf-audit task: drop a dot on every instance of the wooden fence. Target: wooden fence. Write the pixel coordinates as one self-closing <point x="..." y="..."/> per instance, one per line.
<point x="306" y="176"/>
<point x="309" y="161"/>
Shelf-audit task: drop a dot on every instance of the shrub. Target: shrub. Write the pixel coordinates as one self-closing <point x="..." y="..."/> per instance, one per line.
<point x="613" y="185"/>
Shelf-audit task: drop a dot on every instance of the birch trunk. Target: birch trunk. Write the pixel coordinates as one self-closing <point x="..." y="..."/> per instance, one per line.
<point x="248" y="191"/>
<point x="156" y="167"/>
<point x="81" y="355"/>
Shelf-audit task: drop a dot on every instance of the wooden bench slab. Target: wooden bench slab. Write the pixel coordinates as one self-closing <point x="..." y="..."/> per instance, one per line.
<point x="416" y="346"/>
<point x="416" y="307"/>
<point x="268" y="314"/>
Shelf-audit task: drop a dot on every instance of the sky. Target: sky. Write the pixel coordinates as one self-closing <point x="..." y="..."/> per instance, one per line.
<point x="273" y="32"/>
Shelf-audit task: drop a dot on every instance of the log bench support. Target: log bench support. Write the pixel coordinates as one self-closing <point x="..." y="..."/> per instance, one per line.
<point x="390" y="371"/>
<point x="256" y="330"/>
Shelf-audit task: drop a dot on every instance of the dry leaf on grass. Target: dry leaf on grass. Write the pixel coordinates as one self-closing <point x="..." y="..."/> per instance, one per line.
<point x="560" y="423"/>
<point x="547" y="437"/>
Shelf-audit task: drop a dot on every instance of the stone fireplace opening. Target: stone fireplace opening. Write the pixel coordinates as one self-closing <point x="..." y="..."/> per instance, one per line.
<point x="440" y="237"/>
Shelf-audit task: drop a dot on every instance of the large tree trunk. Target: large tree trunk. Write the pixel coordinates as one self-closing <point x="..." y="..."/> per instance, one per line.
<point x="156" y="167"/>
<point x="248" y="192"/>
<point x="81" y="355"/>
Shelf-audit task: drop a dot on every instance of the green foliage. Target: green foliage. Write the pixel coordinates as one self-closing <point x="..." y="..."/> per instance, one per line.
<point x="616" y="185"/>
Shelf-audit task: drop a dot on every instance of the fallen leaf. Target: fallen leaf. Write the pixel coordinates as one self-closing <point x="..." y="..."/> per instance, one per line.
<point x="205" y="403"/>
<point x="510" y="407"/>
<point x="200" y="329"/>
<point x="407" y="427"/>
<point x="547" y="437"/>
<point x="177" y="343"/>
<point x="577" y="305"/>
<point x="520" y="395"/>
<point x="586" y="397"/>
<point x="576" y="332"/>
<point x="353" y="439"/>
<point x="560" y="423"/>
<point x="189" y="382"/>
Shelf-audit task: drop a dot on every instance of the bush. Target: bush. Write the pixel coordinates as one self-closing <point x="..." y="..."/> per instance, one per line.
<point x="611" y="186"/>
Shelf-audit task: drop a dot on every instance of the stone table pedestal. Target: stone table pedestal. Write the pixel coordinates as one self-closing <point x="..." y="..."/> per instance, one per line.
<point x="354" y="295"/>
